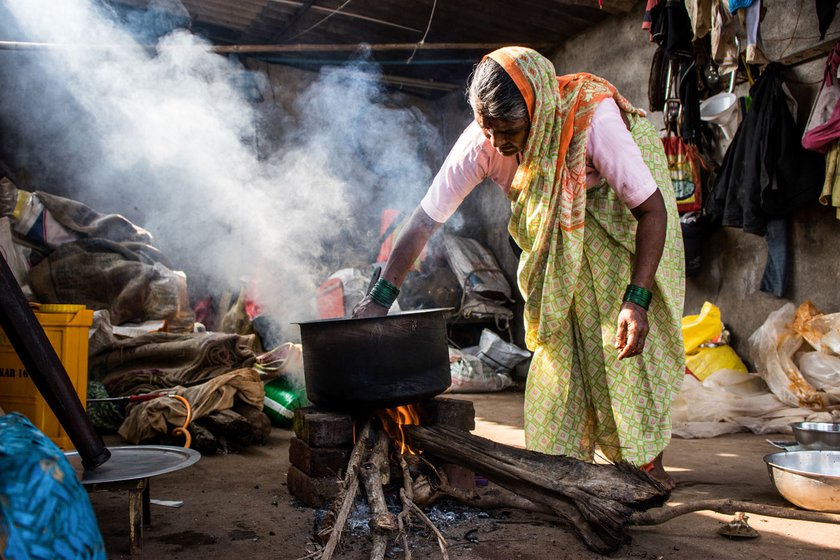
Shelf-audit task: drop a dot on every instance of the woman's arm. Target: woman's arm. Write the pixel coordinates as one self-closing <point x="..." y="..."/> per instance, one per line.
<point x="409" y="244"/>
<point x="650" y="241"/>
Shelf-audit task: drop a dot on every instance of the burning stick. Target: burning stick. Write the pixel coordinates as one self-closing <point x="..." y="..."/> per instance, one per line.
<point x="383" y="522"/>
<point x="347" y="495"/>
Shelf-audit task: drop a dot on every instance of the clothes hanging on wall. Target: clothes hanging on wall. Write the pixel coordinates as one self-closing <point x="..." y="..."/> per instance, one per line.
<point x="751" y="20"/>
<point x="735" y="5"/>
<point x="724" y="48"/>
<point x="670" y="27"/>
<point x="825" y="14"/>
<point x="831" y="188"/>
<point x="700" y="13"/>
<point x="824" y="121"/>
<point x="777" y="270"/>
<point x="647" y="20"/>
<point x="766" y="173"/>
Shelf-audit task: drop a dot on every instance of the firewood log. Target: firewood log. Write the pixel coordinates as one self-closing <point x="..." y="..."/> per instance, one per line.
<point x="231" y="428"/>
<point x="203" y="439"/>
<point x="259" y="422"/>
<point x="597" y="500"/>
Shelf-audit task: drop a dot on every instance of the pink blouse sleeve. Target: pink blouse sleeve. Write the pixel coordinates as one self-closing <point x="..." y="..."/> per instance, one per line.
<point x="614" y="155"/>
<point x="471" y="160"/>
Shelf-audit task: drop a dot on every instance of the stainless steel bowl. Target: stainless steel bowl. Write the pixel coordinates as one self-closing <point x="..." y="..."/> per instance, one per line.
<point x="817" y="435"/>
<point x="809" y="478"/>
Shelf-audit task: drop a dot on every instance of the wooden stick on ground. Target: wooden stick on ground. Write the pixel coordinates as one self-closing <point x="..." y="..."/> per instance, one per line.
<point x="383" y="523"/>
<point x="347" y="495"/>
<point x="729" y="507"/>
<point x="440" y="538"/>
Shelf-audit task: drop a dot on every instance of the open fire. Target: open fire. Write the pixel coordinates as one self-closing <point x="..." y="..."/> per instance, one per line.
<point x="393" y="420"/>
<point x="334" y="454"/>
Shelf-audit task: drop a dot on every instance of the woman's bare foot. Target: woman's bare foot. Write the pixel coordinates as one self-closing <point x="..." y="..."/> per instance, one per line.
<point x="657" y="471"/>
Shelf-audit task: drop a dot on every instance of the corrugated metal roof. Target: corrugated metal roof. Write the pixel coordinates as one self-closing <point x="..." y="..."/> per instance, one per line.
<point x="455" y="33"/>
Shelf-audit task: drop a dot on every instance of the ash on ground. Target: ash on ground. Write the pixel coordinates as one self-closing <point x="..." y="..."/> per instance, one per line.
<point x="459" y="524"/>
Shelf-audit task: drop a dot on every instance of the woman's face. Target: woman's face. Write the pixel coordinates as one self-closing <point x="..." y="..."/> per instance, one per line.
<point x="508" y="137"/>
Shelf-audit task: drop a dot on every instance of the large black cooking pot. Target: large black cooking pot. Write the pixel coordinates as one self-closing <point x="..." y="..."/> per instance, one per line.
<point x="379" y="362"/>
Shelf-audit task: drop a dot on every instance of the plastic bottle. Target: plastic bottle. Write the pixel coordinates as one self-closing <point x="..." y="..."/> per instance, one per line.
<point x="282" y="398"/>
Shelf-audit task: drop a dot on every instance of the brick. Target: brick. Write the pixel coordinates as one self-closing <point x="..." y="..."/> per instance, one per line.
<point x="454" y="413"/>
<point x="318" y="461"/>
<point x="313" y="491"/>
<point x="318" y="428"/>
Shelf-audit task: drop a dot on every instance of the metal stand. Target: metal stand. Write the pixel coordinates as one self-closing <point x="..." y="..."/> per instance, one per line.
<point x="131" y="468"/>
<point x="139" y="507"/>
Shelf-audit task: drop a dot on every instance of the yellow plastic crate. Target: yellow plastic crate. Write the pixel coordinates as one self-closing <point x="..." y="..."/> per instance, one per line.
<point x="66" y="327"/>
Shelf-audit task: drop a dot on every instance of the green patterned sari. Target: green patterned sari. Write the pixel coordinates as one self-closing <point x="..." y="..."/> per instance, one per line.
<point x="578" y="247"/>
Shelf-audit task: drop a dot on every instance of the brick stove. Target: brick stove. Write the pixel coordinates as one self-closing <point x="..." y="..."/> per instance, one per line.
<point x="324" y="439"/>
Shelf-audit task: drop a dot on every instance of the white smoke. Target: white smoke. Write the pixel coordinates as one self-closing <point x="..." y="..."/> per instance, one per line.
<point x="167" y="137"/>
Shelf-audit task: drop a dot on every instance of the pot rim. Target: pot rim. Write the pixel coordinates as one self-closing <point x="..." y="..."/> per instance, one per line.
<point x="388" y="316"/>
<point x="770" y="460"/>
<point x="817" y="427"/>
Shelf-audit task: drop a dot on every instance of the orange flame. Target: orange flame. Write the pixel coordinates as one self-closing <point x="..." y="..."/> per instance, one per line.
<point x="393" y="420"/>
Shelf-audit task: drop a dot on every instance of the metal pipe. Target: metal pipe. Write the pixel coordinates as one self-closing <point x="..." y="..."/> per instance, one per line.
<point x="301" y="47"/>
<point x="46" y="370"/>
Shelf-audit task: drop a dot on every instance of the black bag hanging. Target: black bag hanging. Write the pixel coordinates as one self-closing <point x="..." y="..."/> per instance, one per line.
<point x="766" y="173"/>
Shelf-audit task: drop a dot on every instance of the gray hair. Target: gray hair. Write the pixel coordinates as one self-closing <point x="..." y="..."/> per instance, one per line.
<point x="493" y="93"/>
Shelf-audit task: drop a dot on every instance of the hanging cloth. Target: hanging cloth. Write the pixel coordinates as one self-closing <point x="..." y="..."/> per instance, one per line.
<point x="766" y="174"/>
<point x="831" y="188"/>
<point x="724" y="48"/>
<point x="671" y="28"/>
<point x="735" y="5"/>
<point x="824" y="122"/>
<point x="700" y="12"/>
<point x="825" y="14"/>
<point x="751" y="19"/>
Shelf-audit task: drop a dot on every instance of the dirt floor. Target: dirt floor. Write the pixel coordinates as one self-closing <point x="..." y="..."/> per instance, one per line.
<point x="237" y="506"/>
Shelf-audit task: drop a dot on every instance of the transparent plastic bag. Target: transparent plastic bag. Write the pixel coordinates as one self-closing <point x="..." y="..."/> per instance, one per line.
<point x="822" y="331"/>
<point x="471" y="375"/>
<point x="727" y="402"/>
<point x="486" y="291"/>
<point x="822" y="370"/>
<point x="498" y="354"/>
<point x="772" y="347"/>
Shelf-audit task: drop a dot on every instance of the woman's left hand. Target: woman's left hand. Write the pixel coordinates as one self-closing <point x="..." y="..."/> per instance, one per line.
<point x="632" y="330"/>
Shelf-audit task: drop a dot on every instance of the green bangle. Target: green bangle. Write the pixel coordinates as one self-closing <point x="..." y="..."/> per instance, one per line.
<point x="638" y="295"/>
<point x="384" y="293"/>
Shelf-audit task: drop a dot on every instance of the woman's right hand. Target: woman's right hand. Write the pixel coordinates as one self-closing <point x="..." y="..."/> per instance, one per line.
<point x="368" y="308"/>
